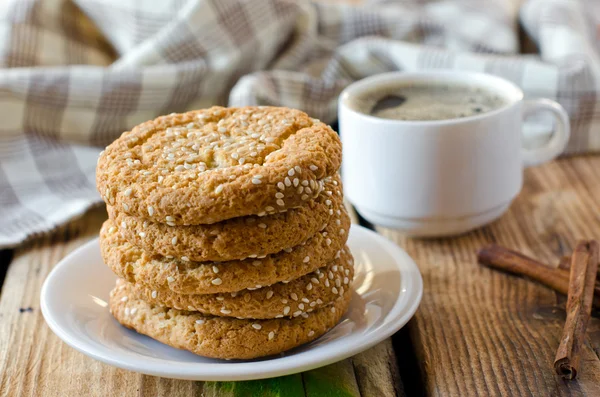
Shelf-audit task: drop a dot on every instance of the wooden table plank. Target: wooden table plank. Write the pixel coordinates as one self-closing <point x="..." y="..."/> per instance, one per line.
<point x="33" y="361"/>
<point x="482" y="332"/>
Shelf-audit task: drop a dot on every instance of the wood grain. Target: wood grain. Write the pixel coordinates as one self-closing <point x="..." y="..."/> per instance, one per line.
<point x="34" y="362"/>
<point x="482" y="332"/>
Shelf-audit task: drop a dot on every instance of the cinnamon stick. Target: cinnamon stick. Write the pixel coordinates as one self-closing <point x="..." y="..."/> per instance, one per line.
<point x="584" y="268"/>
<point x="501" y="258"/>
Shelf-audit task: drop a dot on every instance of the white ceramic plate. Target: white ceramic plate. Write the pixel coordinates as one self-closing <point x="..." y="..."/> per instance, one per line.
<point x="387" y="284"/>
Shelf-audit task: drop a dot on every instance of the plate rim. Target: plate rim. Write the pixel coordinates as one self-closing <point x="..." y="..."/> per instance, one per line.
<point x="412" y="283"/>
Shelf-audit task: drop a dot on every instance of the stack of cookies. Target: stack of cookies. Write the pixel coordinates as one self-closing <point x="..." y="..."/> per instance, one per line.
<point x="227" y="230"/>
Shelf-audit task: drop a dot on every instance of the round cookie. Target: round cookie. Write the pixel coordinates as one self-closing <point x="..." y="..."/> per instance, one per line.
<point x="179" y="275"/>
<point x="235" y="238"/>
<point x="304" y="294"/>
<point x="222" y="337"/>
<point x="209" y="165"/>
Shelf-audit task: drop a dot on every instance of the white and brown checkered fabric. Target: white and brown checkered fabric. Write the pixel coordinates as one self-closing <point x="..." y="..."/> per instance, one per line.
<point x="76" y="73"/>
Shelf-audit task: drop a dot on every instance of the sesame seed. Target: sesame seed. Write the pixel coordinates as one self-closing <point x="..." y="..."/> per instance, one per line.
<point x="328" y="241"/>
<point x="160" y="178"/>
<point x="301" y="306"/>
<point x="338" y="282"/>
<point x="284" y="301"/>
<point x="124" y="299"/>
<point x="174" y="240"/>
<point x="342" y="231"/>
<point x="328" y="202"/>
<point x="347" y="271"/>
<point x="279" y="195"/>
<point x="269" y="139"/>
<point x="297" y="313"/>
<point x="225" y="311"/>
<point x="300" y="190"/>
<point x="308" y="190"/>
<point x="185" y="259"/>
<point x="269" y="294"/>
<point x="127" y="311"/>
<point x="271" y="335"/>
<point x="217" y="281"/>
<point x="287" y="182"/>
<point x="215" y="269"/>
<point x="169" y="218"/>
<point x="256" y="326"/>
<point x="298" y="169"/>
<point x="333" y="309"/>
<point x="256" y="181"/>
<point x="154" y="294"/>
<point x="313" y="167"/>
<point x="127" y="192"/>
<point x="304" y="197"/>
<point x="142" y="234"/>
<point x="304" y="183"/>
<point x="330" y="275"/>
<point x="219" y="189"/>
<point x="262" y="225"/>
<point x="279" y="316"/>
<point x="170" y="279"/>
<point x="305" y="300"/>
<point x="294" y="296"/>
<point x="313" y="304"/>
<point x="269" y="208"/>
<point x="256" y="263"/>
<point x="133" y="310"/>
<point x="341" y="290"/>
<point x="309" y="286"/>
<point x="311" y="333"/>
<point x="330" y="212"/>
<point x="123" y="225"/>
<point x="338" y="222"/>
<point x="171" y="223"/>
<point x="125" y="207"/>
<point x="291" y="172"/>
<point x="280" y="202"/>
<point x="242" y="160"/>
<point x="235" y="155"/>
<point x="315" y="280"/>
<point x="220" y="298"/>
<point x="296" y="182"/>
<point x="112" y="229"/>
<point x="286" y="310"/>
<point x="334" y="290"/>
<point x="306" y="259"/>
<point x="280" y="185"/>
<point x="199" y="322"/>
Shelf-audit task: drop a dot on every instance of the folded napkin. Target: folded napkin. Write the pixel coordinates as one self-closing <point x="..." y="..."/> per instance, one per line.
<point x="77" y="73"/>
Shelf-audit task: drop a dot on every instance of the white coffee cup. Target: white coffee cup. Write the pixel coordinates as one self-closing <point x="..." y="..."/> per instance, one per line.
<point x="440" y="177"/>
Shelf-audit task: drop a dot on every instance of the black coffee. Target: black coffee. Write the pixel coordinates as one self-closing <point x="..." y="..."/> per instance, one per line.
<point x="419" y="101"/>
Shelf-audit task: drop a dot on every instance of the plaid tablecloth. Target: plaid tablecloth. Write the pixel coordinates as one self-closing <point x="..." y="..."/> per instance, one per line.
<point x="77" y="73"/>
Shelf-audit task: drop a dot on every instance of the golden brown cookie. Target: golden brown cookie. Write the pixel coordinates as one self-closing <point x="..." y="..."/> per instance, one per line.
<point x="235" y="238"/>
<point x="222" y="337"/>
<point x="186" y="277"/>
<point x="214" y="164"/>
<point x="304" y="294"/>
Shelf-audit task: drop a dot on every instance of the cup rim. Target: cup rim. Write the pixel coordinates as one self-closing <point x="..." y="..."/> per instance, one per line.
<point x="511" y="91"/>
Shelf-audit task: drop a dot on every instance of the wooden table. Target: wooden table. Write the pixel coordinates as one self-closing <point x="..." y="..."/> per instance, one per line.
<point x="477" y="331"/>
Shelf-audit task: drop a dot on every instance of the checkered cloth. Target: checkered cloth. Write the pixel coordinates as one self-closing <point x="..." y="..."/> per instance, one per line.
<point x="77" y="73"/>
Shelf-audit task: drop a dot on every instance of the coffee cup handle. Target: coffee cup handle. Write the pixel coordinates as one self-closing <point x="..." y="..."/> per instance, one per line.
<point x="560" y="136"/>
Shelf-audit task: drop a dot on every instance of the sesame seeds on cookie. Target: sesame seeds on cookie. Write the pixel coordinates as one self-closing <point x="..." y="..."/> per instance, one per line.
<point x="137" y="266"/>
<point x="222" y="337"/>
<point x="209" y="165"/>
<point x="235" y="238"/>
<point x="302" y="295"/>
